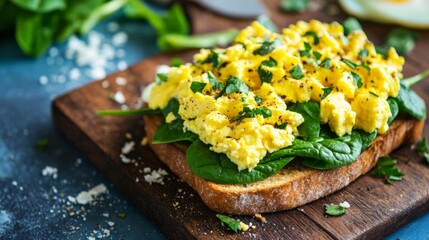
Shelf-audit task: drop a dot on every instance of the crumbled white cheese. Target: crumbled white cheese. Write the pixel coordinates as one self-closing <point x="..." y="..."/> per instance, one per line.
<point x="43" y="80"/>
<point x="121" y="81"/>
<point x="74" y="74"/>
<point x="110" y="223"/>
<point x="50" y="171"/>
<point x="156" y="176"/>
<point x="345" y="204"/>
<point x="14" y="183"/>
<point x="86" y="197"/>
<point x="71" y="199"/>
<point x="128" y="147"/>
<point x="122" y="65"/>
<point x="97" y="73"/>
<point x="124" y="158"/>
<point x="119" y="38"/>
<point x="119" y="97"/>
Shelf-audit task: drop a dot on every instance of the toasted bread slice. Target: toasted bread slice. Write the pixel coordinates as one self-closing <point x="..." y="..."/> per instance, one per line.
<point x="293" y="186"/>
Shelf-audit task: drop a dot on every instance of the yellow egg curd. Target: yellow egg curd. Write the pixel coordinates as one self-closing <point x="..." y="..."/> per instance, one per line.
<point x="307" y="61"/>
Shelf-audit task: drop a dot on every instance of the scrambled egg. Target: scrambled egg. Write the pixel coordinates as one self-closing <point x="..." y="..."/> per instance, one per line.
<point x="240" y="107"/>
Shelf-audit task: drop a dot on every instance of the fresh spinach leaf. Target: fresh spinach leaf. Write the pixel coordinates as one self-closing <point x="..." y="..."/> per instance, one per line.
<point x="41" y="6"/>
<point x="267" y="47"/>
<point x="198" y="86"/>
<point x="350" y="25"/>
<point x="175" y="20"/>
<point x="310" y="111"/>
<point x="104" y="10"/>
<point x="410" y="103"/>
<point x="385" y="169"/>
<point x="218" y="168"/>
<point x="422" y="146"/>
<point x="165" y="134"/>
<point x="394" y="109"/>
<point x="266" y="75"/>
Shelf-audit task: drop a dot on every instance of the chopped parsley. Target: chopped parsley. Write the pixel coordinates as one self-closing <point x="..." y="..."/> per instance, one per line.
<point x="234" y="84"/>
<point x="213" y="59"/>
<point x="326" y="63"/>
<point x="349" y="63"/>
<point x="296" y="72"/>
<point x="385" y="169"/>
<point x="357" y="79"/>
<point x="216" y="84"/>
<point x="266" y="75"/>
<point x="42" y="144"/>
<point x="229" y="223"/>
<point x="294" y="5"/>
<point x="160" y="78"/>
<point x="314" y="36"/>
<point x="281" y="126"/>
<point x="251" y="113"/>
<point x="363" y="53"/>
<point x="317" y="55"/>
<point x="268" y="47"/>
<point x="374" y="94"/>
<point x="335" y="210"/>
<point x="258" y="100"/>
<point x="327" y="91"/>
<point x="350" y="25"/>
<point x="198" y="86"/>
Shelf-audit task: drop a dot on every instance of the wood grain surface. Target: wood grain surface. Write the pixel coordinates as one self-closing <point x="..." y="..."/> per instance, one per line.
<point x="377" y="209"/>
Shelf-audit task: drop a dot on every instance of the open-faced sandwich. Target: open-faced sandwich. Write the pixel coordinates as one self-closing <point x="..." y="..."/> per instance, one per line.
<point x="277" y="120"/>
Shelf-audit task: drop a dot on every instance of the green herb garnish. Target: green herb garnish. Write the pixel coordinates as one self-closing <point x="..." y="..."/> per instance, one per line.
<point x="327" y="91"/>
<point x="326" y="63"/>
<point x="374" y="94"/>
<point x="258" y="100"/>
<point x="296" y="72"/>
<point x="268" y="47"/>
<point x="363" y="53"/>
<point x="216" y="84"/>
<point x="385" y="169"/>
<point x="294" y="5"/>
<point x="314" y="36"/>
<point x="281" y="126"/>
<point x="198" y="86"/>
<point x="357" y="79"/>
<point x="234" y="84"/>
<point x="229" y="223"/>
<point x="213" y="58"/>
<point x="349" y="63"/>
<point x="422" y="146"/>
<point x="350" y="25"/>
<point x="251" y="113"/>
<point x="266" y="75"/>
<point x="160" y="78"/>
<point x="334" y="210"/>
<point x="317" y="55"/>
<point x="176" y="62"/>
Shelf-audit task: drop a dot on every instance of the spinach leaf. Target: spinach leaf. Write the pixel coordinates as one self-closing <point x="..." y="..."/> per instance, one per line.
<point x="394" y="109"/>
<point x="334" y="210"/>
<point x="310" y="111"/>
<point x="267" y="47"/>
<point x="218" y="168"/>
<point x="166" y="134"/>
<point x="294" y="5"/>
<point x="385" y="169"/>
<point x="410" y="103"/>
<point x="99" y="13"/>
<point x="175" y="20"/>
<point x="323" y="153"/>
<point x="408" y="82"/>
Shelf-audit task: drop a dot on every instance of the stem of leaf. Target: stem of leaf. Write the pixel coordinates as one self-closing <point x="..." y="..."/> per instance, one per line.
<point x="415" y="79"/>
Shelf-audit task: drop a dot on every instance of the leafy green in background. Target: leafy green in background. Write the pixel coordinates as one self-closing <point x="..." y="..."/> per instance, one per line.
<point x="294" y="5"/>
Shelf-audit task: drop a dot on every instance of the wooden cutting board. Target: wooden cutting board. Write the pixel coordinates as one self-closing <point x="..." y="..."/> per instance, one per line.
<point x="377" y="209"/>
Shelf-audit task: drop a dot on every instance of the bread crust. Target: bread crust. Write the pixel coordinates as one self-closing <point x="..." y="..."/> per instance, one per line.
<point x="291" y="187"/>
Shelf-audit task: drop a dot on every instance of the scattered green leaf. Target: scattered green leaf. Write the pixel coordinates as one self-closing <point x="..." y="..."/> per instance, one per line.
<point x="350" y="25"/>
<point x="334" y="210"/>
<point x="229" y="223"/>
<point x="385" y="169"/>
<point x="296" y="72"/>
<point x="349" y="63"/>
<point x="213" y="58"/>
<point x="327" y="91"/>
<point x="160" y="78"/>
<point x="422" y="146"/>
<point x="264" y="74"/>
<point x="357" y="79"/>
<point x="267" y="47"/>
<point x="216" y="84"/>
<point x="326" y="63"/>
<point x="258" y="100"/>
<point x="176" y="62"/>
<point x="251" y="113"/>
<point x="198" y="86"/>
<point x="314" y="36"/>
<point x="234" y="84"/>
<point x="317" y="55"/>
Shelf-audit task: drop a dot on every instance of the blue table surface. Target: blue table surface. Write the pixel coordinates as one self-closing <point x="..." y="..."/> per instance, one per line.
<point x="34" y="206"/>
